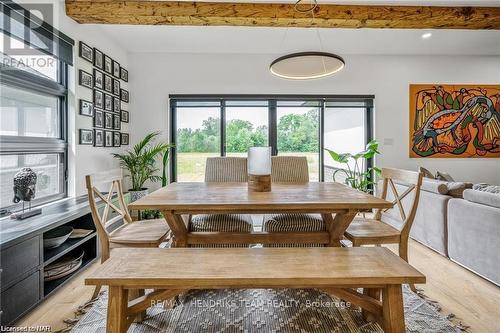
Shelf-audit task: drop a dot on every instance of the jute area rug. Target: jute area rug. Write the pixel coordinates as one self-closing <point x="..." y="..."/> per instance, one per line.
<point x="266" y="310"/>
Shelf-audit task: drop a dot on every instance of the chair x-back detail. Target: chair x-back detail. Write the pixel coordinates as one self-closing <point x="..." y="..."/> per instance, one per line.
<point x="101" y="221"/>
<point x="148" y="233"/>
<point x="387" y="228"/>
<point x="414" y="183"/>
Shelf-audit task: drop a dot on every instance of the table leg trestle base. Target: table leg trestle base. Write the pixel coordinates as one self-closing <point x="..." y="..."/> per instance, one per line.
<point x="364" y="301"/>
<point x="388" y="312"/>
<point x="375" y="294"/>
<point x="123" y="312"/>
<point x="335" y="224"/>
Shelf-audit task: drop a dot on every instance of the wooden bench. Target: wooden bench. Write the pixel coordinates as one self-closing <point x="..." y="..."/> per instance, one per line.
<point x="338" y="271"/>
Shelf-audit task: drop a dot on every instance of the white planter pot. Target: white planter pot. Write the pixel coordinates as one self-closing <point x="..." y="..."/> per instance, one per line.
<point x="136" y="195"/>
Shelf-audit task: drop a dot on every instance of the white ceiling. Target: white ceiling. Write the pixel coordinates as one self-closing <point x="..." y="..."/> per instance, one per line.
<point x="189" y="39"/>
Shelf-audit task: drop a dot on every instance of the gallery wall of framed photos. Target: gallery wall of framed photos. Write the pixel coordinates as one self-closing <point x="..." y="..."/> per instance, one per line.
<point x="106" y="81"/>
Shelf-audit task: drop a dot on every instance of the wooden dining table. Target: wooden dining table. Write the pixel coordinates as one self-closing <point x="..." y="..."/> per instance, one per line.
<point x="338" y="205"/>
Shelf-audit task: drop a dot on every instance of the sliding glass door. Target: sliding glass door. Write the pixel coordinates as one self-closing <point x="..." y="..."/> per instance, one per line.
<point x="298" y="132"/>
<point x="346" y="130"/>
<point x="204" y="126"/>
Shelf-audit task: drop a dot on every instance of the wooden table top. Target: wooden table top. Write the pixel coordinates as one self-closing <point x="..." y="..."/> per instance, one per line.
<point x="240" y="267"/>
<point x="224" y="197"/>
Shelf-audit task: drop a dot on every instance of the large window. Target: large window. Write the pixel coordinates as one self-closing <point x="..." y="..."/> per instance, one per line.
<point x="197" y="138"/>
<point x="203" y="126"/>
<point x="33" y="94"/>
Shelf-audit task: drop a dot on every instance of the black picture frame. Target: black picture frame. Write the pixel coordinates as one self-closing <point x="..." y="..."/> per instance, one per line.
<point x="116" y="105"/>
<point x="85" y="52"/>
<point x="116" y="87"/>
<point x="108" y="102"/>
<point x="124" y="115"/>
<point x="125" y="139"/>
<point x="98" y="138"/>
<point x="117" y="139"/>
<point x="98" y="99"/>
<point x="86" y="137"/>
<point x="86" y="108"/>
<point x="116" y="69"/>
<point x="108" y="139"/>
<point x="108" y="64"/>
<point x="124" y="95"/>
<point x="108" y="120"/>
<point x="98" y="118"/>
<point x="98" y="79"/>
<point x="108" y="83"/>
<point x="85" y="79"/>
<point x="117" y="124"/>
<point x="98" y="59"/>
<point x="123" y="74"/>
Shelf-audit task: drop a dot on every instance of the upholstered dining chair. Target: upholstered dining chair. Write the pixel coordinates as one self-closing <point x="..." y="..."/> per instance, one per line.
<point x="148" y="233"/>
<point x="223" y="169"/>
<point x="390" y="226"/>
<point x="291" y="169"/>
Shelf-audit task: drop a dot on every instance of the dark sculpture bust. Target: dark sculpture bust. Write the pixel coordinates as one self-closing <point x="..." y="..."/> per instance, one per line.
<point x="24" y="190"/>
<point x="24" y="185"/>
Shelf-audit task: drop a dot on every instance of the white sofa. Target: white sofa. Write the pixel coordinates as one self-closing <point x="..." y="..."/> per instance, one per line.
<point x="465" y="229"/>
<point x="474" y="233"/>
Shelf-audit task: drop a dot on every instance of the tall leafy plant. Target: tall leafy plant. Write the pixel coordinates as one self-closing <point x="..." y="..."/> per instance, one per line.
<point x="355" y="164"/>
<point x="140" y="161"/>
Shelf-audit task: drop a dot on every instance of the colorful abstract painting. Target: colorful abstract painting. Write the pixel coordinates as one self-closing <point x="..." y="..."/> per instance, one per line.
<point x="454" y="120"/>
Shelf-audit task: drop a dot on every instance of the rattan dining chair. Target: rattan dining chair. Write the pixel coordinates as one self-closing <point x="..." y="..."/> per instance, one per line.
<point x="291" y="169"/>
<point x="387" y="226"/>
<point x="147" y="233"/>
<point x="223" y="169"/>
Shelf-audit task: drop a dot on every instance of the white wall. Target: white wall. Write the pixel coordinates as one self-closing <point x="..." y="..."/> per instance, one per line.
<point x="156" y="75"/>
<point x="84" y="159"/>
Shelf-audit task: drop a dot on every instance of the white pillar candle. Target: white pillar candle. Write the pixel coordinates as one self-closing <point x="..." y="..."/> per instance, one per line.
<point x="259" y="161"/>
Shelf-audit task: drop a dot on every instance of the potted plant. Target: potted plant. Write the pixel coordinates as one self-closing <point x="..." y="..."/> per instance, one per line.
<point x="355" y="164"/>
<point x="140" y="162"/>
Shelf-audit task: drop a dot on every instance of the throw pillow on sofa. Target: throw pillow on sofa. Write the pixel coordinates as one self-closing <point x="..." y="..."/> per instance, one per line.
<point x="456" y="189"/>
<point x="444" y="176"/>
<point x="435" y="186"/>
<point x="426" y="173"/>
<point x="487" y="188"/>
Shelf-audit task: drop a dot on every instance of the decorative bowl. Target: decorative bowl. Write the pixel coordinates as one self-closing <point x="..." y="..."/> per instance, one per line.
<point x="63" y="267"/>
<point x="55" y="237"/>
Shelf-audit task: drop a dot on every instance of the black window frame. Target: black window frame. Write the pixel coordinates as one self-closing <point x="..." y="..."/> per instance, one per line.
<point x="23" y="145"/>
<point x="273" y="100"/>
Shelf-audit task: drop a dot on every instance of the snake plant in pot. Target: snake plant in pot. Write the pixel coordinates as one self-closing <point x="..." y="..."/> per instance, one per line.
<point x="140" y="162"/>
<point x="355" y="173"/>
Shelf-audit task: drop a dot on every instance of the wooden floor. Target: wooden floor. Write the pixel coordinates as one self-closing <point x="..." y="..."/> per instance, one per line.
<point x="471" y="298"/>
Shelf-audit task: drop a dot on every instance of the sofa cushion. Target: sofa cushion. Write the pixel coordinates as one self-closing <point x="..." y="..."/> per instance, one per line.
<point x="481" y="197"/>
<point x="473" y="237"/>
<point x="487" y="188"/>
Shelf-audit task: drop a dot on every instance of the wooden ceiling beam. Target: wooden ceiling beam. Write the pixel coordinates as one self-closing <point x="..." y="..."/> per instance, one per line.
<point x="197" y="13"/>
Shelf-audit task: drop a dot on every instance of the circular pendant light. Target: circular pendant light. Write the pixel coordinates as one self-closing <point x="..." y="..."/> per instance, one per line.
<point x="307" y="65"/>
